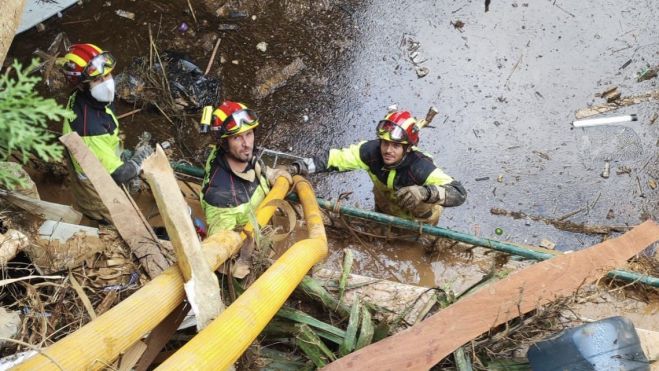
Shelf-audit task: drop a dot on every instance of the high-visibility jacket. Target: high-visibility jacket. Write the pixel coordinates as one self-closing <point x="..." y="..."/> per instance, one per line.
<point x="417" y="168"/>
<point x="229" y="199"/>
<point x="98" y="127"/>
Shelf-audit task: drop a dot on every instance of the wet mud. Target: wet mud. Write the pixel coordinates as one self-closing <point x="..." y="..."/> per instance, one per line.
<point x="507" y="83"/>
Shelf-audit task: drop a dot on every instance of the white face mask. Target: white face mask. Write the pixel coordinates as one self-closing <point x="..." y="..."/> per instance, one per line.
<point x="104" y="92"/>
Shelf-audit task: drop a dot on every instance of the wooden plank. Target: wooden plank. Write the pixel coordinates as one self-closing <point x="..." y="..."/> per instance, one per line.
<point x="161" y="335"/>
<point x="201" y="285"/>
<point x="423" y="345"/>
<point x="10" y="17"/>
<point x="125" y="218"/>
<point x="48" y="210"/>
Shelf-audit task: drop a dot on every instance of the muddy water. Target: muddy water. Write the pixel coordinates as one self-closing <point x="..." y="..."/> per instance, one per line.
<point x="507" y="84"/>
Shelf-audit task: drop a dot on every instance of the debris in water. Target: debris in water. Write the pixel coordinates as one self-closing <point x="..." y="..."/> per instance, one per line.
<point x="482" y="178"/>
<point x="262" y="46"/>
<point x="626" y="64"/>
<point x="611" y="94"/>
<point x="238" y="14"/>
<point x="458" y="25"/>
<point x="654" y="118"/>
<point x="498" y="231"/>
<point x="273" y="77"/>
<point x="652" y="183"/>
<point x="607" y="169"/>
<point x="125" y="14"/>
<point x="610" y="215"/>
<point x="547" y="244"/>
<point x="487" y="5"/>
<point x="227" y="27"/>
<point x="605" y="121"/>
<point x="422" y="72"/>
<point x="542" y="155"/>
<point x="500" y="179"/>
<point x="623" y="170"/>
<point x="648" y="73"/>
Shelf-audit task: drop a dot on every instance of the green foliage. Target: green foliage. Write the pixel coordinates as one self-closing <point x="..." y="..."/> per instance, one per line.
<point x="24" y="116"/>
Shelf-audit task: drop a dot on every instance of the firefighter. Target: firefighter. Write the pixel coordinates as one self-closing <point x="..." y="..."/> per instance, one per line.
<point x="235" y="182"/>
<point x="406" y="182"/>
<point x="88" y="69"/>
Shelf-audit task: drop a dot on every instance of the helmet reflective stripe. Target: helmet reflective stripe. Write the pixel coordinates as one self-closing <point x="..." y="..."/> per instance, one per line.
<point x="389" y="128"/>
<point x="222" y="113"/>
<point x="77" y="59"/>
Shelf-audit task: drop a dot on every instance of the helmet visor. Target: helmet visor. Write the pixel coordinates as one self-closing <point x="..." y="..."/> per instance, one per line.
<point x="100" y="65"/>
<point x="239" y="121"/>
<point x="396" y="133"/>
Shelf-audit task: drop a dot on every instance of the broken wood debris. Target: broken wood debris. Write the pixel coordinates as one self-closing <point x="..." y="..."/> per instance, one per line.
<point x="563" y="224"/>
<point x="622" y="102"/>
<point x="124" y="216"/>
<point x="426" y="343"/>
<point x="201" y="284"/>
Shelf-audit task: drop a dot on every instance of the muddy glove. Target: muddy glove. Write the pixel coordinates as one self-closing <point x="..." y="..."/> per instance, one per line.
<point x="273" y="174"/>
<point x="141" y="154"/>
<point x="303" y="166"/>
<point x="437" y="195"/>
<point x="410" y="197"/>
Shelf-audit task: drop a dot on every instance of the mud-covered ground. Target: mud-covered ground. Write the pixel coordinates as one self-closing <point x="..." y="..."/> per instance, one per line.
<point x="507" y="83"/>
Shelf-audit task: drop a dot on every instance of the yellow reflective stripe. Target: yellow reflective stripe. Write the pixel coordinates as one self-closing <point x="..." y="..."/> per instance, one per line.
<point x="438" y="177"/>
<point x="220" y="114"/>
<point x="407" y="123"/>
<point x="76" y="59"/>
<point x="346" y="159"/>
<point x="390" y="178"/>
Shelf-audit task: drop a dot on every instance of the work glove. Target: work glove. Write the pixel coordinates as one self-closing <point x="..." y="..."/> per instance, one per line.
<point x="141" y="154"/>
<point x="273" y="174"/>
<point x="410" y="197"/>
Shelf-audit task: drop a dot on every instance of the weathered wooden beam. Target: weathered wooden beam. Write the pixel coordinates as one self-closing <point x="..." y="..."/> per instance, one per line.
<point x="124" y="216"/>
<point x="424" y="344"/>
<point x="201" y="285"/>
<point x="45" y="209"/>
<point x="10" y="17"/>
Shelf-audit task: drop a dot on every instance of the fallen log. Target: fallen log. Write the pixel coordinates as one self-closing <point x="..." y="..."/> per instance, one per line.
<point x="124" y="216"/>
<point x="425" y="344"/>
<point x="201" y="285"/>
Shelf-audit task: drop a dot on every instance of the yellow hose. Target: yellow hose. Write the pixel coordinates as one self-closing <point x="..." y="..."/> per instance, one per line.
<point x="223" y="341"/>
<point x="100" y="342"/>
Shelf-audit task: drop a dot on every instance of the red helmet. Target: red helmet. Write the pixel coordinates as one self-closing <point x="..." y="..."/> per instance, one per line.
<point x="400" y="127"/>
<point x="85" y="62"/>
<point x="229" y="119"/>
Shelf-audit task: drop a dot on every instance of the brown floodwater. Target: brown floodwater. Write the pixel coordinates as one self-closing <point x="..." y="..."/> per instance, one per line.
<point x="507" y="85"/>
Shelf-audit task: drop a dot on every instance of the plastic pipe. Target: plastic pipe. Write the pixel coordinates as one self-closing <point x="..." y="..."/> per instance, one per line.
<point x="604" y="121"/>
<point x="467" y="238"/>
<point x="99" y="343"/>
<point x="224" y="340"/>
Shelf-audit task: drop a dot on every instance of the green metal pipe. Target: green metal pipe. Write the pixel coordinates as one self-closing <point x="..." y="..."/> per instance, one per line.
<point x="467" y="238"/>
<point x="440" y="232"/>
<point x="188" y="169"/>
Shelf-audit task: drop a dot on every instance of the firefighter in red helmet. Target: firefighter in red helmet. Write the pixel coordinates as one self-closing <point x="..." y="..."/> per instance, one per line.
<point x="235" y="183"/>
<point x="406" y="182"/>
<point x="88" y="70"/>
